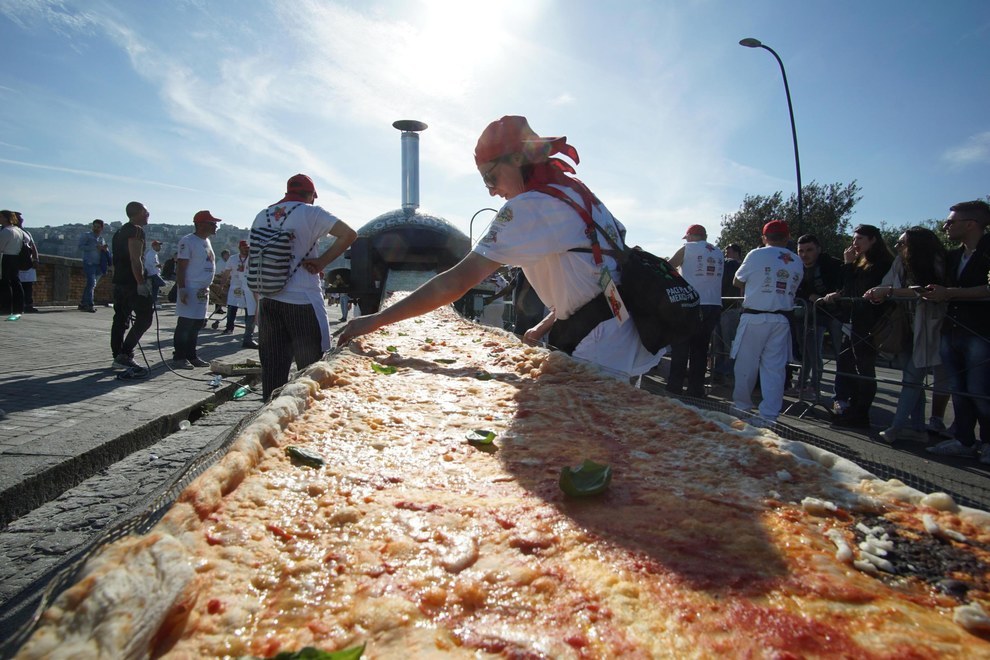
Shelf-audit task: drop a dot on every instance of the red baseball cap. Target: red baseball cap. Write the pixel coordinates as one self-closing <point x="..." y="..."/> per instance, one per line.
<point x="206" y="216"/>
<point x="776" y="227"/>
<point x="696" y="230"/>
<point x="300" y="183"/>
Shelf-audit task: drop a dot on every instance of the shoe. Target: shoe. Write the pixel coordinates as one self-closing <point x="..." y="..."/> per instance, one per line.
<point x="124" y="361"/>
<point x="30" y="310"/>
<point x="181" y="364"/>
<point x="792" y="391"/>
<point x="985" y="454"/>
<point x="952" y="448"/>
<point x="196" y="362"/>
<point x="84" y="308"/>
<point x="937" y="427"/>
<point x="893" y="434"/>
<point x="810" y="392"/>
<point x="249" y="343"/>
<point x="227" y="332"/>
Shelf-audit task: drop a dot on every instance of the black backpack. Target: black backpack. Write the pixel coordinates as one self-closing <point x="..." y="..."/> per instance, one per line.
<point x="25" y="258"/>
<point x="664" y="307"/>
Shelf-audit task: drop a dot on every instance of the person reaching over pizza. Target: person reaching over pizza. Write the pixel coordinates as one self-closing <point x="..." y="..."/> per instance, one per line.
<point x="546" y="237"/>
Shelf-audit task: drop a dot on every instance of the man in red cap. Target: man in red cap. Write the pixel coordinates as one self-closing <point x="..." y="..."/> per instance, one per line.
<point x="194" y="270"/>
<point x="770" y="277"/>
<point x="293" y="323"/>
<point x="701" y="264"/>
<point x="545" y="236"/>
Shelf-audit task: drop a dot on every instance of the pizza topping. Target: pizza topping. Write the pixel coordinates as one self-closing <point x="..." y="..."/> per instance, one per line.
<point x="934" y="529"/>
<point x="818" y="507"/>
<point x="589" y="478"/>
<point x="972" y="618"/>
<point x="481" y="437"/>
<point x="305" y="456"/>
<point x="383" y="369"/>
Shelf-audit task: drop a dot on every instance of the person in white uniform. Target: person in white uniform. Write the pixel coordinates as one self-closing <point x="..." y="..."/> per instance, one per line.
<point x="194" y="271"/>
<point x="239" y="296"/>
<point x="701" y="264"/>
<point x="293" y="323"/>
<point x="545" y="236"/>
<point x="770" y="277"/>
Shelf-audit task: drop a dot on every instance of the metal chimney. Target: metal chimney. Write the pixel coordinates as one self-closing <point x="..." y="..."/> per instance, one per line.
<point x="410" y="161"/>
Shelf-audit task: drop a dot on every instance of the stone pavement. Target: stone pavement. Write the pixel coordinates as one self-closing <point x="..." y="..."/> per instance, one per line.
<point x="67" y="416"/>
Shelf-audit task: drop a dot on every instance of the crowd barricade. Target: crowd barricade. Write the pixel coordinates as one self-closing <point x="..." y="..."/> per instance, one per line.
<point x="819" y="316"/>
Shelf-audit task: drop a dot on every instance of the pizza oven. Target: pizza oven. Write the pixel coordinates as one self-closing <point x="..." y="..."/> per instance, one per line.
<point x="402" y="248"/>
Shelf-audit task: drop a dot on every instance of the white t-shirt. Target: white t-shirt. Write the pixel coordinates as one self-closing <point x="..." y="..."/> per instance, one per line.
<point x="772" y="276"/>
<point x="308" y="223"/>
<point x="202" y="264"/>
<point x="151" y="265"/>
<point x="702" y="268"/>
<point x="535" y="231"/>
<point x="11" y="240"/>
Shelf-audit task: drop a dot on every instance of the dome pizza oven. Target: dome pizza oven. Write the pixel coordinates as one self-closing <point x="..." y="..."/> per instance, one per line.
<point x="400" y="249"/>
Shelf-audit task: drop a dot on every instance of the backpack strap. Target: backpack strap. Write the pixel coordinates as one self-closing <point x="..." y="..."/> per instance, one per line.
<point x="592" y="228"/>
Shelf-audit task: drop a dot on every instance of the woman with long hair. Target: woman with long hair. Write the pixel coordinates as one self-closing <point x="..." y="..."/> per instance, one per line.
<point x="866" y="261"/>
<point x="920" y="262"/>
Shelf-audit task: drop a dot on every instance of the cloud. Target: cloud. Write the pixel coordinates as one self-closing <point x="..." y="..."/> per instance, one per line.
<point x="975" y="150"/>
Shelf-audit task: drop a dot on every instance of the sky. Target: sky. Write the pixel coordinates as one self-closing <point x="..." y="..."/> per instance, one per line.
<point x="212" y="104"/>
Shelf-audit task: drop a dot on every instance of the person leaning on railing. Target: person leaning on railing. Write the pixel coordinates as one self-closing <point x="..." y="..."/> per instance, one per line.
<point x="965" y="345"/>
<point x="867" y="260"/>
<point x="920" y="263"/>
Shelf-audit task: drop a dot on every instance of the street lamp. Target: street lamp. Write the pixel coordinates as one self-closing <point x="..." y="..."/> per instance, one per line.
<point x="471" y="225"/>
<point x="749" y="42"/>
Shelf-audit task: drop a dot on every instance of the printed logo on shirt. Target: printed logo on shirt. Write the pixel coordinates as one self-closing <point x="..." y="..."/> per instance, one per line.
<point x="786" y="257"/>
<point x="503" y="217"/>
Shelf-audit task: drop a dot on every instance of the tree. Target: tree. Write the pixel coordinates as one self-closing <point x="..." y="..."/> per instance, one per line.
<point x="827" y="214"/>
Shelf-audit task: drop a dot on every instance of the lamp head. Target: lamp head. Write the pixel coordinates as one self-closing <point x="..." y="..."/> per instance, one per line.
<point x="750" y="42"/>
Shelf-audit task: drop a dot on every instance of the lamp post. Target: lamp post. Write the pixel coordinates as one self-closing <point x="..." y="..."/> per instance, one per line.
<point x="756" y="43"/>
<point x="471" y="224"/>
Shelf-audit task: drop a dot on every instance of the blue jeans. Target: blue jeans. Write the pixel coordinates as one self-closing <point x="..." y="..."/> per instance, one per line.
<point x="910" y="411"/>
<point x="93" y="273"/>
<point x="966" y="357"/>
<point x="186" y="337"/>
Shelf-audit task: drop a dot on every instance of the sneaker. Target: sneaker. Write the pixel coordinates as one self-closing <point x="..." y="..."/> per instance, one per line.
<point x="792" y="391"/>
<point x="85" y="308"/>
<point x="132" y="374"/>
<point x="985" y="454"/>
<point x="952" y="448"/>
<point x="196" y="362"/>
<point x="249" y="343"/>
<point x="181" y="364"/>
<point x="937" y="427"/>
<point x="124" y="361"/>
<point x="227" y="332"/>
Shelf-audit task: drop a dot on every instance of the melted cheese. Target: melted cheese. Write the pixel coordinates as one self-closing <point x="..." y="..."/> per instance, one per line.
<point x="712" y="539"/>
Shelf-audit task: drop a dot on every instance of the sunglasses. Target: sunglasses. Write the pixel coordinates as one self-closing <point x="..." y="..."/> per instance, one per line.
<point x="489" y="176"/>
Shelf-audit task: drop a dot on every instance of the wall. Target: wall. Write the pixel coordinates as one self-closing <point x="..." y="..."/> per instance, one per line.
<point x="61" y="281"/>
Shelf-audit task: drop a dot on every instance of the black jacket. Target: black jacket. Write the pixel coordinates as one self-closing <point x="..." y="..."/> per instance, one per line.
<point x="970" y="314"/>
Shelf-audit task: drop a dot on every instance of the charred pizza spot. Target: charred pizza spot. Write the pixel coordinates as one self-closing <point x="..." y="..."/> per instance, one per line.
<point x="936" y="561"/>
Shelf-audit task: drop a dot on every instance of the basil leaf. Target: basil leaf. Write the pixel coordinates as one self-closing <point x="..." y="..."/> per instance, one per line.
<point x="445" y="361"/>
<point x="305" y="456"/>
<point x="391" y="349"/>
<point x="428" y="340"/>
<point x="312" y="653"/>
<point x="382" y="369"/>
<point x="589" y="478"/>
<point x="481" y="437"/>
<point x="483" y="375"/>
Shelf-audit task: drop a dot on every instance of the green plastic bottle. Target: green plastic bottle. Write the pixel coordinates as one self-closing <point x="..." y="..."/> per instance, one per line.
<point x="241" y="392"/>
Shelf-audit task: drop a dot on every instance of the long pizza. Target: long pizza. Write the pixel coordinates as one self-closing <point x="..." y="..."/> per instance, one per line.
<point x="440" y="489"/>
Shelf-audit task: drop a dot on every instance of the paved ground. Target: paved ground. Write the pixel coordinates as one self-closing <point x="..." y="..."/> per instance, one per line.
<point x="82" y="452"/>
